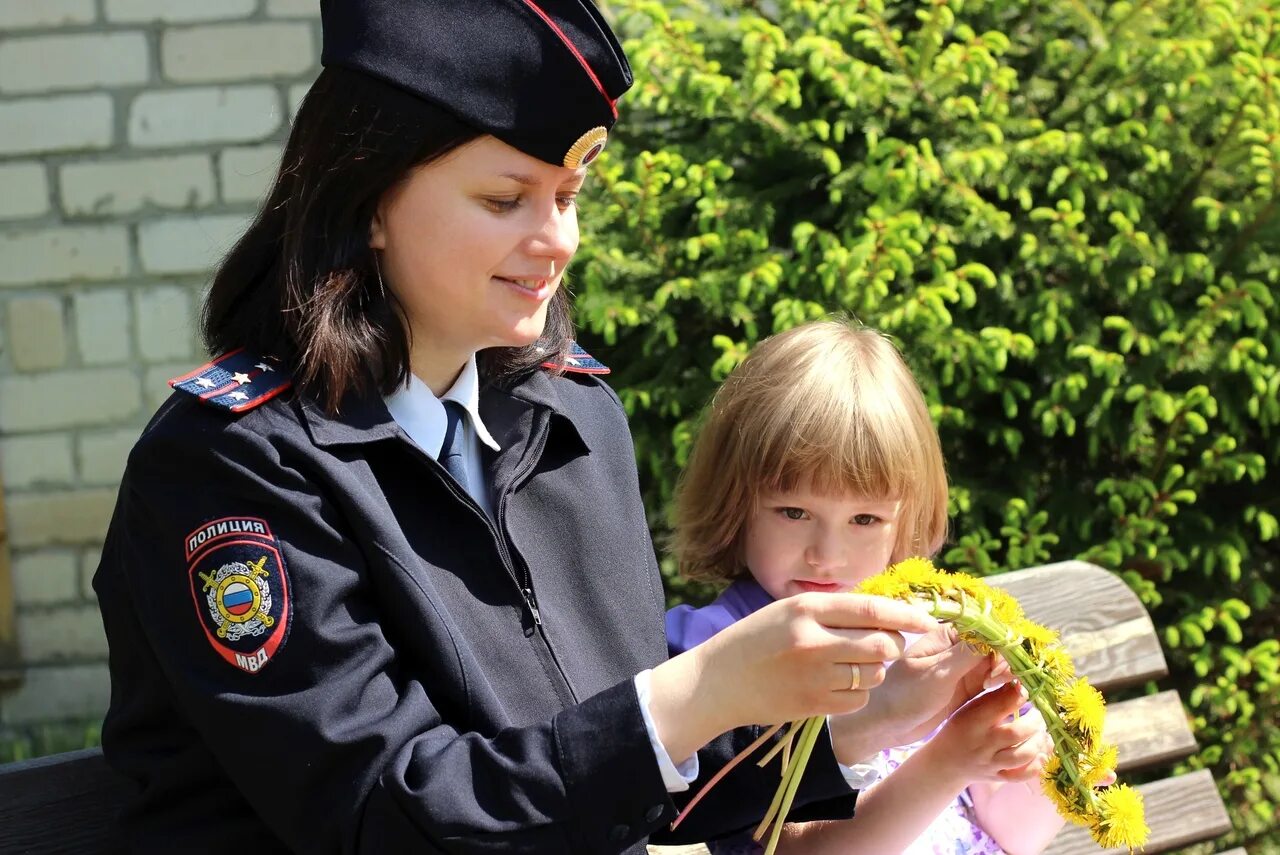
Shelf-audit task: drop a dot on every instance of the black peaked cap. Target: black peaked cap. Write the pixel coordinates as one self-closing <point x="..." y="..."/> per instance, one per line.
<point x="541" y="75"/>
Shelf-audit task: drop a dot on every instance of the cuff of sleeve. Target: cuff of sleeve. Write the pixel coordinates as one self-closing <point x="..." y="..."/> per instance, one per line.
<point x="676" y="778"/>
<point x="859" y="776"/>
<point x="611" y="779"/>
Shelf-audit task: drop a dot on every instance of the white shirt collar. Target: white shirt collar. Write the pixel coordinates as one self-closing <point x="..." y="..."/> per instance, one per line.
<point x="421" y="414"/>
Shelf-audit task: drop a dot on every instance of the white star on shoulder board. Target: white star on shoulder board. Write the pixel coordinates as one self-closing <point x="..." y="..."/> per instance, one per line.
<point x="240" y="378"/>
<point x="205" y="383"/>
<point x="240" y="396"/>
<point x="262" y="366"/>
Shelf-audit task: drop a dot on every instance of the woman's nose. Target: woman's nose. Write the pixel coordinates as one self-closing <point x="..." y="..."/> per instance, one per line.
<point x="557" y="237"/>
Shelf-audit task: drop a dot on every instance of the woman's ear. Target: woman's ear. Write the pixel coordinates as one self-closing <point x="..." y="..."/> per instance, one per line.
<point x="377" y="231"/>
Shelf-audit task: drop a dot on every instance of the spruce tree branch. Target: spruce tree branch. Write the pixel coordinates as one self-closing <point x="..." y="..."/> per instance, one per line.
<point x="1231" y="256"/>
<point x="1189" y="190"/>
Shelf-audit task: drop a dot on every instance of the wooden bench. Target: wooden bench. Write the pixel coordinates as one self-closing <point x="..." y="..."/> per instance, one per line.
<point x="1110" y="636"/>
<point x="66" y="803"/>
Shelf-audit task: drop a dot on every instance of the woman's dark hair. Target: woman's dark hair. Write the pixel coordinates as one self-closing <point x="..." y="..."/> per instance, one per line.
<point x="302" y="286"/>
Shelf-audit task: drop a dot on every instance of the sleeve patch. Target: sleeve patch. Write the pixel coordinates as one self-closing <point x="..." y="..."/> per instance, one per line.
<point x="241" y="590"/>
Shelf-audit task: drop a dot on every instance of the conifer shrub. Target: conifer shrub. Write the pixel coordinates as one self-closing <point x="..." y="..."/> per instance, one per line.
<point x="1065" y="213"/>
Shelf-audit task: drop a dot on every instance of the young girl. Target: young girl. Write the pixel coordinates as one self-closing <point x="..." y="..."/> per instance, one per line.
<point x="818" y="466"/>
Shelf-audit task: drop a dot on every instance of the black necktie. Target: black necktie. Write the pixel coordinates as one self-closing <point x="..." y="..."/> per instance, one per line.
<point x="452" y="450"/>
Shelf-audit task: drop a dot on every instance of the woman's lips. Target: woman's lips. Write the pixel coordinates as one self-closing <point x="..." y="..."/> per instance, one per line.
<point x="539" y="289"/>
<point x="819" y="587"/>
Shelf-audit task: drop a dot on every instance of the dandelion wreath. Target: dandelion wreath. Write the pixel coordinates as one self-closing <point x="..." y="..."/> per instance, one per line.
<point x="992" y="620"/>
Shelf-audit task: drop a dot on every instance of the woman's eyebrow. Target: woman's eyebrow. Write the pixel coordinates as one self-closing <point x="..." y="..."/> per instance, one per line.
<point x="520" y="178"/>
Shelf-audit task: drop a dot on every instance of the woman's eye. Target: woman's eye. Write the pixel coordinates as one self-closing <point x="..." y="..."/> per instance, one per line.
<point x="502" y="205"/>
<point x="865" y="519"/>
<point x="567" y="201"/>
<point x="793" y="513"/>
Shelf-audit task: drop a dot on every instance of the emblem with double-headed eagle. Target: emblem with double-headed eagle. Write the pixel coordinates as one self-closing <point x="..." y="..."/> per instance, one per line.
<point x="239" y="598"/>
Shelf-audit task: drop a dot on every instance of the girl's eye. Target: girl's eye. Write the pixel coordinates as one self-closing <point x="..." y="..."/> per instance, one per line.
<point x="502" y="206"/>
<point x="865" y="519"/>
<point x="567" y="201"/>
<point x="793" y="513"/>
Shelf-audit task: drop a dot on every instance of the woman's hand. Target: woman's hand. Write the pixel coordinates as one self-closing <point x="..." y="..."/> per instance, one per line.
<point x="793" y="659"/>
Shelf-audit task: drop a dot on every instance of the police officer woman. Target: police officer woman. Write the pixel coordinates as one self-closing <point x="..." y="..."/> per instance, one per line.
<point x="379" y="578"/>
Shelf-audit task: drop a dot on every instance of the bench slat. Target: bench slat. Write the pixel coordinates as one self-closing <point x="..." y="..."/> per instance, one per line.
<point x="1103" y="624"/>
<point x="77" y="788"/>
<point x="1180" y="811"/>
<point x="1149" y="731"/>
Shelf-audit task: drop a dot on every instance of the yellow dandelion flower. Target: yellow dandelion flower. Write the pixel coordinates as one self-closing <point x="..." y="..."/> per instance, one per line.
<point x="1120" y="821"/>
<point x="971" y="586"/>
<point x="1066" y="798"/>
<point x="1058" y="663"/>
<point x="1040" y="636"/>
<point x="1083" y="707"/>
<point x="977" y="642"/>
<point x="1007" y="609"/>
<point x="884" y="585"/>
<point x="919" y="573"/>
<point x="1097" y="763"/>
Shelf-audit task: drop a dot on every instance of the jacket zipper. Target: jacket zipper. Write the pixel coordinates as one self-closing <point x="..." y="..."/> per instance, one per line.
<point x="526" y="582"/>
<point x="526" y="467"/>
<point x="524" y="587"/>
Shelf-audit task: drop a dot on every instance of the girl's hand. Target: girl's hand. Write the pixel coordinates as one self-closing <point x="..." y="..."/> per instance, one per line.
<point x="988" y="744"/>
<point x="792" y="659"/>
<point x="937" y="676"/>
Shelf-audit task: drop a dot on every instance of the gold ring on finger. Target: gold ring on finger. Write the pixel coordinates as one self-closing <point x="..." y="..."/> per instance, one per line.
<point x="855" y="677"/>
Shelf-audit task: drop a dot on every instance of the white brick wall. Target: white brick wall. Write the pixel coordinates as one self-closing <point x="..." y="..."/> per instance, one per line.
<point x="102" y="455"/>
<point x="50" y="63"/>
<point x="15" y="14"/>
<point x="205" y="114"/>
<point x="247" y="172"/>
<point x="103" y="326"/>
<point x="29" y="257"/>
<point x="98" y="396"/>
<point x="63" y="123"/>
<point x="137" y="138"/>
<point x="37" y="333"/>
<point x="94" y="188"/>
<point x="65" y="692"/>
<point x="229" y="52"/>
<point x="26" y="191"/>
<point x="36" y="460"/>
<point x="187" y="244"/>
<point x="47" y="576"/>
<point x="140" y="11"/>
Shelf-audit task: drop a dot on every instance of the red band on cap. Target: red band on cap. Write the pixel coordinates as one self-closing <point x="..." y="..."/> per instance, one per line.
<point x="581" y="59"/>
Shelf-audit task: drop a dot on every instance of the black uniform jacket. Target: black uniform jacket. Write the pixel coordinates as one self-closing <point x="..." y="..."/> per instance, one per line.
<point x="423" y="679"/>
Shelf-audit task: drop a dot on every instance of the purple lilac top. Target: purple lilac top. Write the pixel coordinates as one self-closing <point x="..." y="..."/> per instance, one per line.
<point x="954" y="832"/>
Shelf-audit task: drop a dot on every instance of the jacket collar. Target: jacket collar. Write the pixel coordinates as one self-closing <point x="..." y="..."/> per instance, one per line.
<point x="532" y="391"/>
<point x="506" y="409"/>
<point x="360" y="419"/>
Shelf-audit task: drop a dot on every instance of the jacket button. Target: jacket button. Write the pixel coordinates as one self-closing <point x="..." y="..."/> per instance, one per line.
<point x="654" y="813"/>
<point x="619" y="833"/>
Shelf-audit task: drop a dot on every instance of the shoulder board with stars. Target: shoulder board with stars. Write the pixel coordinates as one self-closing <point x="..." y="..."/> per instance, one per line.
<point x="237" y="381"/>
<point x="578" y="361"/>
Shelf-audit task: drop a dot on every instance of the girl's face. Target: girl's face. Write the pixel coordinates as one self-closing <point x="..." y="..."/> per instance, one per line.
<point x="474" y="246"/>
<point x="800" y="541"/>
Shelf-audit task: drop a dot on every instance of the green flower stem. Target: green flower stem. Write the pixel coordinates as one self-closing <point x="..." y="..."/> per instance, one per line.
<point x="795" y="771"/>
<point x="982" y="627"/>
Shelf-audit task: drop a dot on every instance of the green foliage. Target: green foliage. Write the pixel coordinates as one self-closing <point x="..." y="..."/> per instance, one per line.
<point x="53" y="738"/>
<point x="1066" y="213"/>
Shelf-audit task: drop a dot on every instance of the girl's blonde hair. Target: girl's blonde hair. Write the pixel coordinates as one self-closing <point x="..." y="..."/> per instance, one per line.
<point x="828" y="405"/>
